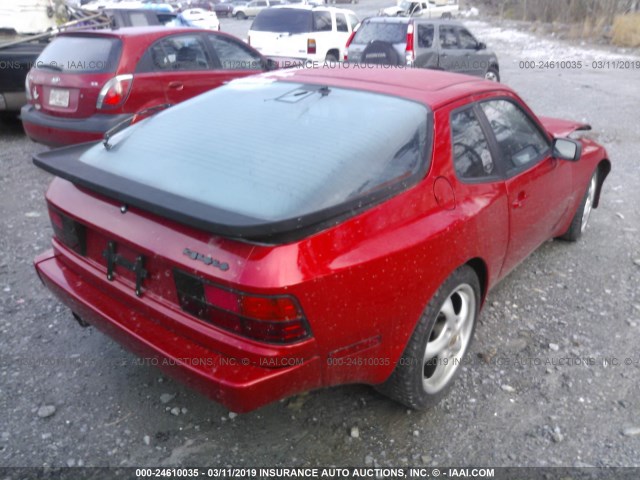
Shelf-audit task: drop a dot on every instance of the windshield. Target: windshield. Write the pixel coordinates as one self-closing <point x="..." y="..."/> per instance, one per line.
<point x="273" y="152"/>
<point x="391" y="32"/>
<point x="282" y="20"/>
<point x="81" y="54"/>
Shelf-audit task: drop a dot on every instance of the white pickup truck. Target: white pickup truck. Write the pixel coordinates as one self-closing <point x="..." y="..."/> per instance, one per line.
<point x="423" y="8"/>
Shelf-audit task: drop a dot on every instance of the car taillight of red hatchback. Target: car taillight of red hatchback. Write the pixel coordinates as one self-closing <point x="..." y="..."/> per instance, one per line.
<point x="324" y="227"/>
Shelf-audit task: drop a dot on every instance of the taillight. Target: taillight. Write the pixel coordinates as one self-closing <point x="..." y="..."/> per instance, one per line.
<point x="408" y="54"/>
<point x="353" y="34"/>
<point x="27" y="88"/>
<point x="71" y="233"/>
<point x="266" y="318"/>
<point x="115" y="91"/>
<point x="311" y="46"/>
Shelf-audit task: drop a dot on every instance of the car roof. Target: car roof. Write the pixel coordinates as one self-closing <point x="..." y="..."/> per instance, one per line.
<point x="441" y="21"/>
<point x="155" y="31"/>
<point x="312" y="7"/>
<point x="432" y="87"/>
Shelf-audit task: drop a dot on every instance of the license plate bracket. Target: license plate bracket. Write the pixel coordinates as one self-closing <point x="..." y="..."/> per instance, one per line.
<point x="136" y="266"/>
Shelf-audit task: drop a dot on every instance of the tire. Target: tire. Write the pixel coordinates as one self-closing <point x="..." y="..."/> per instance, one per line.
<point x="492" y="74"/>
<point x="330" y="58"/>
<point x="241" y="16"/>
<point x="447" y="16"/>
<point x="581" y="218"/>
<point x="381" y="53"/>
<point x="416" y="382"/>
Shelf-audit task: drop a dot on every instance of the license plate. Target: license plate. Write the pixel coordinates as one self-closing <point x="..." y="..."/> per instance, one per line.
<point x="59" y="98"/>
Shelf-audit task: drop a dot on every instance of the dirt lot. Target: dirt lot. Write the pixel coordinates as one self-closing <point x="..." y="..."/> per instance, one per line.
<point x="530" y="395"/>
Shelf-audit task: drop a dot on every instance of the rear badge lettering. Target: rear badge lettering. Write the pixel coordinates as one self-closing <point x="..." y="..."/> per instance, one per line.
<point x="206" y="259"/>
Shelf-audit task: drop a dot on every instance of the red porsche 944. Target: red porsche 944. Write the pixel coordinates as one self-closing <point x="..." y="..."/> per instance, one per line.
<point x="300" y="229"/>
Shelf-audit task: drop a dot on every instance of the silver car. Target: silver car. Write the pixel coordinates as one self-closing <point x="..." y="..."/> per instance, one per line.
<point x="422" y="43"/>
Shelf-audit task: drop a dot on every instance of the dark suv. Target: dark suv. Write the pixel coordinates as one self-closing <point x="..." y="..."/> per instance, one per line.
<point x="437" y="44"/>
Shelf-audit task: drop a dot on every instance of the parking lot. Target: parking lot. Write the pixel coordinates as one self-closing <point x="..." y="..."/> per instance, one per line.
<point x="552" y="379"/>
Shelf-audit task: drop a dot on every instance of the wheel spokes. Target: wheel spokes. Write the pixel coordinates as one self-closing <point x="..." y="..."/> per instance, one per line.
<point x="449" y="338"/>
<point x="588" y="204"/>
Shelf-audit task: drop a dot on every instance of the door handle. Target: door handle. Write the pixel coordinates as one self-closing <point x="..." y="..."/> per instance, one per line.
<point x="176" y="85"/>
<point x="519" y="201"/>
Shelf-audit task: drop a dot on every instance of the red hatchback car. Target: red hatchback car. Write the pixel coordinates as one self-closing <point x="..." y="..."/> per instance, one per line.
<point x="352" y="237"/>
<point x="85" y="83"/>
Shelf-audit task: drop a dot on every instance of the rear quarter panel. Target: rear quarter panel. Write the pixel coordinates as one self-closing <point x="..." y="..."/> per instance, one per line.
<point x="365" y="283"/>
<point x="147" y="89"/>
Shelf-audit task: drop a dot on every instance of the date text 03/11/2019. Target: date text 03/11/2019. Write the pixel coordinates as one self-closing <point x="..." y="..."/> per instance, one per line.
<point x="579" y="65"/>
<point x="315" y="472"/>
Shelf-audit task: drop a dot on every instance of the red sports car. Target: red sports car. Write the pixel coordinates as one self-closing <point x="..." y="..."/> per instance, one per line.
<point x="300" y="229"/>
<point x="85" y="83"/>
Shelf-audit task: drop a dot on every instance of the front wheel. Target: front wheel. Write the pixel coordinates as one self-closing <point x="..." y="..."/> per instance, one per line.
<point x="435" y="351"/>
<point x="241" y="16"/>
<point x="581" y="218"/>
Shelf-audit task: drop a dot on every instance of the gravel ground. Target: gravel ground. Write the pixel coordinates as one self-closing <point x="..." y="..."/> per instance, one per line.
<point x="530" y="394"/>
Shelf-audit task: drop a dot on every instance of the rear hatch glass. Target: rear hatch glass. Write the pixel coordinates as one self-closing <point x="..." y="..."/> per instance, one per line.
<point x="278" y="157"/>
<point x="283" y="20"/>
<point x="81" y="54"/>
<point x="390" y="32"/>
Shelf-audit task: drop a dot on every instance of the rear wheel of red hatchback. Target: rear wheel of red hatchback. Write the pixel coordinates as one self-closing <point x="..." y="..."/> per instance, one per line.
<point x="435" y="351"/>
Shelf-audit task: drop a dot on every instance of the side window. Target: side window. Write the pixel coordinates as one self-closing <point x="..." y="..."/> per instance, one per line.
<point x="341" y="23"/>
<point x="518" y="138"/>
<point x="138" y="19"/>
<point x="471" y="155"/>
<point x="322" y="22"/>
<point x="233" y="56"/>
<point x="261" y="4"/>
<point x="183" y="53"/>
<point x="448" y="38"/>
<point x="353" y="22"/>
<point x="467" y="41"/>
<point x="425" y="36"/>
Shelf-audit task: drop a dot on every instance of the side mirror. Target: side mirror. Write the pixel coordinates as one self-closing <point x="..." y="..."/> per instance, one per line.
<point x="481" y="46"/>
<point x="567" y="149"/>
<point x="270" y="64"/>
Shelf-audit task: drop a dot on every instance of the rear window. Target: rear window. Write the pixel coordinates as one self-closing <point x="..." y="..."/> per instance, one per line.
<point x="282" y="20"/>
<point x="139" y="19"/>
<point x="391" y="32"/>
<point x="81" y="54"/>
<point x="279" y="156"/>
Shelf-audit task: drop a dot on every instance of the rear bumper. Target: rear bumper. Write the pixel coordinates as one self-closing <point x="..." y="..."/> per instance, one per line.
<point x="60" y="131"/>
<point x="12" y="101"/>
<point x="236" y="383"/>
